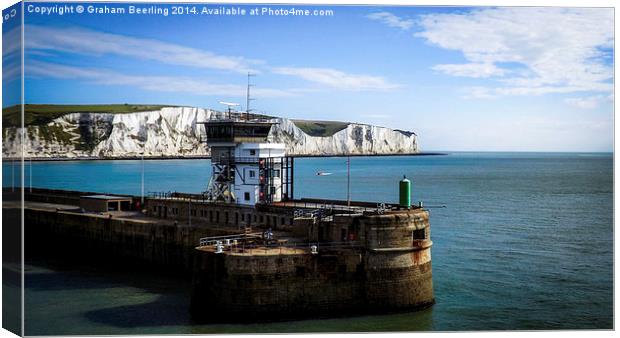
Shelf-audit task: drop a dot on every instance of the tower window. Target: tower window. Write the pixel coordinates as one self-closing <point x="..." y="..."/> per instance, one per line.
<point x="252" y="174"/>
<point x="418" y="234"/>
<point x="246" y="196"/>
<point x="252" y="152"/>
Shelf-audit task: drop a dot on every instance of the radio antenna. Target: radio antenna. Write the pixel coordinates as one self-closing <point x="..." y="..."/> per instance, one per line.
<point x="248" y="98"/>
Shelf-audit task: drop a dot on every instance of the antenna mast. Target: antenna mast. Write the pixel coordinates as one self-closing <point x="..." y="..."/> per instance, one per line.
<point x="248" y="99"/>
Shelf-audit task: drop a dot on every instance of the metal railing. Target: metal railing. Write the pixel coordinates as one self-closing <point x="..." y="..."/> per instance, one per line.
<point x="237" y="159"/>
<point x="173" y="195"/>
<point x="213" y="240"/>
<point x="234" y="116"/>
<point x="312" y="208"/>
<point x="280" y="247"/>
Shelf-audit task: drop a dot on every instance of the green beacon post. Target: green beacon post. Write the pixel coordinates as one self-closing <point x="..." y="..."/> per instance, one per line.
<point x="405" y="192"/>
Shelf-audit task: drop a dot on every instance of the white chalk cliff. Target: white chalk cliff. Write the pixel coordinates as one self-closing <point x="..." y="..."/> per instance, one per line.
<point x="174" y="131"/>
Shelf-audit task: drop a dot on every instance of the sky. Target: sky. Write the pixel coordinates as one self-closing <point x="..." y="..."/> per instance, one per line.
<point x="461" y="78"/>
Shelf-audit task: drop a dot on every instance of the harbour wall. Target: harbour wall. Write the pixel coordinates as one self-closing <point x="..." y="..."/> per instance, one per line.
<point x="383" y="262"/>
<point x="138" y="241"/>
<point x="390" y="270"/>
<point x="166" y="238"/>
<point x="219" y="214"/>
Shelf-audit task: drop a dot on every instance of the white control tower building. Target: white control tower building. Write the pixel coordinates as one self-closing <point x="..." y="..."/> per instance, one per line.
<point x="247" y="169"/>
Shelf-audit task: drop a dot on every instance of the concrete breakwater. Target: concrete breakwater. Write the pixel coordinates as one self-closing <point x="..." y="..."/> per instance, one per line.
<point x="287" y="260"/>
<point x="386" y="270"/>
<point x="53" y="220"/>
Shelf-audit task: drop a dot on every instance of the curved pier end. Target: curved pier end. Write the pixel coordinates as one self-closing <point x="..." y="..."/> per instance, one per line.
<point x="398" y="260"/>
<point x="380" y="263"/>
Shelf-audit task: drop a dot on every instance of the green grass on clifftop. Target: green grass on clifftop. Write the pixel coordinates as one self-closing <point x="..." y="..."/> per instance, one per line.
<point x="320" y="128"/>
<point x="40" y="114"/>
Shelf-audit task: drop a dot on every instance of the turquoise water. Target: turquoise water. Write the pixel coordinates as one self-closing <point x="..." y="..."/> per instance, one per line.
<point x="524" y="242"/>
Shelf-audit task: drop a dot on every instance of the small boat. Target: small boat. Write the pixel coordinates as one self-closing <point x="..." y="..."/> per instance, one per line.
<point x="322" y="173"/>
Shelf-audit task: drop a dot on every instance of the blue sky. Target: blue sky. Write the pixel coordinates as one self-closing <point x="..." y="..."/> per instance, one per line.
<point x="506" y="79"/>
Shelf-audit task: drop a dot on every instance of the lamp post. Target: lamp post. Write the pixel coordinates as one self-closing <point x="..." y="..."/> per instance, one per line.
<point x="30" y="172"/>
<point x="142" y="141"/>
<point x="142" y="181"/>
<point x="13" y="172"/>
<point x="348" y="181"/>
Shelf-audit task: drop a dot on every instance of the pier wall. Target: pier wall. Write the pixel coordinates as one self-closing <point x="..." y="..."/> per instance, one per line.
<point x="79" y="234"/>
<point x="383" y="263"/>
<point x="226" y="215"/>
<point x="250" y="288"/>
<point x="168" y="240"/>
<point x="390" y="272"/>
<point x="66" y="197"/>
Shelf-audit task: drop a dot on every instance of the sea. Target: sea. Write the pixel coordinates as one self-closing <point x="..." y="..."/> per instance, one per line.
<point x="521" y="241"/>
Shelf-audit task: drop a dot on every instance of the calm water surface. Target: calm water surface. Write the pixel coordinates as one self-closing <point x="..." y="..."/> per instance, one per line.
<point x="525" y="241"/>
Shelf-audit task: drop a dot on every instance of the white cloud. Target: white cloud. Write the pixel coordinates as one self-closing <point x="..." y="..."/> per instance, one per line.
<point x="477" y="93"/>
<point x="590" y="102"/>
<point x="337" y="79"/>
<point x="11" y="43"/>
<point x="11" y="72"/>
<point x="152" y="83"/>
<point x="90" y="42"/>
<point x="377" y="116"/>
<point x="41" y="39"/>
<point x="490" y="92"/>
<point x="391" y="20"/>
<point x="471" y="69"/>
<point x="532" y="51"/>
<point x="11" y="55"/>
